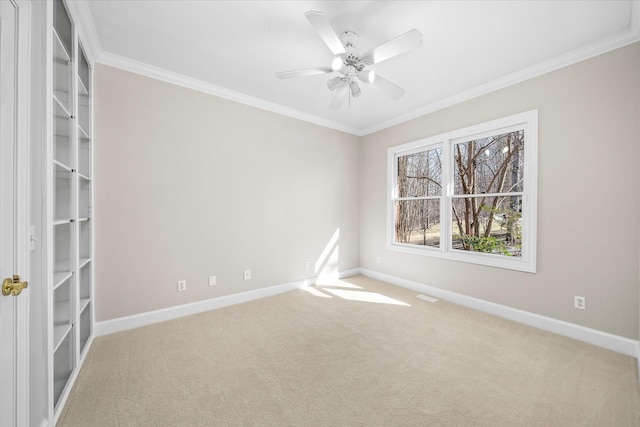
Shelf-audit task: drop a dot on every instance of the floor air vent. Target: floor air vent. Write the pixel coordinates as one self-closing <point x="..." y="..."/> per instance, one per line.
<point x="427" y="298"/>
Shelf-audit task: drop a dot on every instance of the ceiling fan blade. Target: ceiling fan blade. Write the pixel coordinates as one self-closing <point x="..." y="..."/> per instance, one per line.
<point x="394" y="47"/>
<point x="326" y="32"/>
<point x="385" y="86"/>
<point x="303" y="73"/>
<point x="339" y="95"/>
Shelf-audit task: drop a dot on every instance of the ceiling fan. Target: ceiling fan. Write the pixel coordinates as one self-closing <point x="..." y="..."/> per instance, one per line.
<point x="351" y="64"/>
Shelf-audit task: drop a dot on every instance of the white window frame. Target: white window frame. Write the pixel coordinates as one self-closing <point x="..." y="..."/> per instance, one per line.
<point x="527" y="121"/>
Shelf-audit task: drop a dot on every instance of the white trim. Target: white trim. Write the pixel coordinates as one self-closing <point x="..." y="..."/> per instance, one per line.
<point x="638" y="359"/>
<point x="157" y="73"/>
<point x="83" y="19"/>
<point x="47" y="207"/>
<point x="606" y="340"/>
<point x="107" y="327"/>
<point x="600" y="47"/>
<point x="143" y="319"/>
<point x="22" y="184"/>
<point x="62" y="401"/>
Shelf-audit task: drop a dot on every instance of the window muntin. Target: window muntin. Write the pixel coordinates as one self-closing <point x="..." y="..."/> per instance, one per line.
<point x="468" y="195"/>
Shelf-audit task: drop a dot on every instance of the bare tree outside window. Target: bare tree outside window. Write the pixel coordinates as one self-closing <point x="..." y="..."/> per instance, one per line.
<point x="487" y="197"/>
<point x="487" y="202"/>
<point x="418" y="206"/>
<point x="468" y="194"/>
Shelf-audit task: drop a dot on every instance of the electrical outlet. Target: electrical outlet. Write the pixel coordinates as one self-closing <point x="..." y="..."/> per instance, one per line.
<point x="378" y="260"/>
<point x="182" y="285"/>
<point x="247" y="274"/>
<point x="306" y="265"/>
<point x="580" y="303"/>
<point x="212" y="280"/>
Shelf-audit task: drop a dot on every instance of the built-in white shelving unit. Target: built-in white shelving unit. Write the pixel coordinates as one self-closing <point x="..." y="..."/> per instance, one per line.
<point x="70" y="225"/>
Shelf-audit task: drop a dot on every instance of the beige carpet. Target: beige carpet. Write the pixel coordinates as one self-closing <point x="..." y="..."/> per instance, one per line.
<point x="357" y="353"/>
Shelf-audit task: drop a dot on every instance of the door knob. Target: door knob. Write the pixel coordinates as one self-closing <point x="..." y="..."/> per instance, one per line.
<point x="13" y="287"/>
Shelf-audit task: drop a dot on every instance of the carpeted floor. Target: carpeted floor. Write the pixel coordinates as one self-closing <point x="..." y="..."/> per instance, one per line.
<point x="356" y="352"/>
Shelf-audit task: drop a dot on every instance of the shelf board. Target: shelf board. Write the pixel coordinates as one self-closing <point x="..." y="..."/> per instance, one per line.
<point x="83" y="262"/>
<point x="59" y="334"/>
<point x="61" y="221"/>
<point x="84" y="177"/>
<point x="58" y="42"/>
<point x="57" y="97"/>
<point x="59" y="277"/>
<point x="82" y="88"/>
<point x="84" y="303"/>
<point x="83" y="133"/>
<point x="61" y="165"/>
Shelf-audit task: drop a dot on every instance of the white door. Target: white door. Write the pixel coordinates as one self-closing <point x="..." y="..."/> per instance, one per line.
<point x="12" y="376"/>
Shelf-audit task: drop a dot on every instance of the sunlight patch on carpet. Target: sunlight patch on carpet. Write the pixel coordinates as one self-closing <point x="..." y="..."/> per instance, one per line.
<point x="316" y="293"/>
<point x="365" y="296"/>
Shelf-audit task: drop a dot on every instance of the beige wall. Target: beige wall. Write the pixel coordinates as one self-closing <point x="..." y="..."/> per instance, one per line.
<point x="588" y="196"/>
<point x="190" y="185"/>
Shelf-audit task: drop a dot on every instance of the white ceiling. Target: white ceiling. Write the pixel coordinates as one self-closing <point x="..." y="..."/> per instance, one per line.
<point x="234" y="48"/>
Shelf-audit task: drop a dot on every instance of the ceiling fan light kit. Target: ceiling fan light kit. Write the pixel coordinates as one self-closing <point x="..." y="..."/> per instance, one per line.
<point x="351" y="64"/>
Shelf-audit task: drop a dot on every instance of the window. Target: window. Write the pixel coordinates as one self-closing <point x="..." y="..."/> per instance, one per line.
<point x="468" y="195"/>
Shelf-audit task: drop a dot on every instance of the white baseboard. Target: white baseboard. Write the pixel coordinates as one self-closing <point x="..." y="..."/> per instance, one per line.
<point x="612" y="342"/>
<point x="148" y="318"/>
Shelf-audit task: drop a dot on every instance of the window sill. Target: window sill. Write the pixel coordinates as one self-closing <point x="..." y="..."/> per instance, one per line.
<point x="510" y="263"/>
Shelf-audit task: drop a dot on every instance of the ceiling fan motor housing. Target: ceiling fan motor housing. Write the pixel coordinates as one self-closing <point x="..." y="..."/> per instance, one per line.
<point x="349" y="39"/>
<point x="354" y="61"/>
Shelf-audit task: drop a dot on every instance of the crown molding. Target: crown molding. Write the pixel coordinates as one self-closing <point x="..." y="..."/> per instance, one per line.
<point x="600" y="47"/>
<point x="82" y="14"/>
<point x="82" y="17"/>
<point x="147" y="70"/>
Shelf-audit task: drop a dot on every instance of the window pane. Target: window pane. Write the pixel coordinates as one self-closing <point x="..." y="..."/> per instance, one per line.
<point x="420" y="174"/>
<point x="418" y="222"/>
<point x="490" y="165"/>
<point x="488" y="224"/>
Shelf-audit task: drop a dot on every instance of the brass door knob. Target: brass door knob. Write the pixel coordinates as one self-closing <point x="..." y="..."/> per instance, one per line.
<point x="13" y="286"/>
